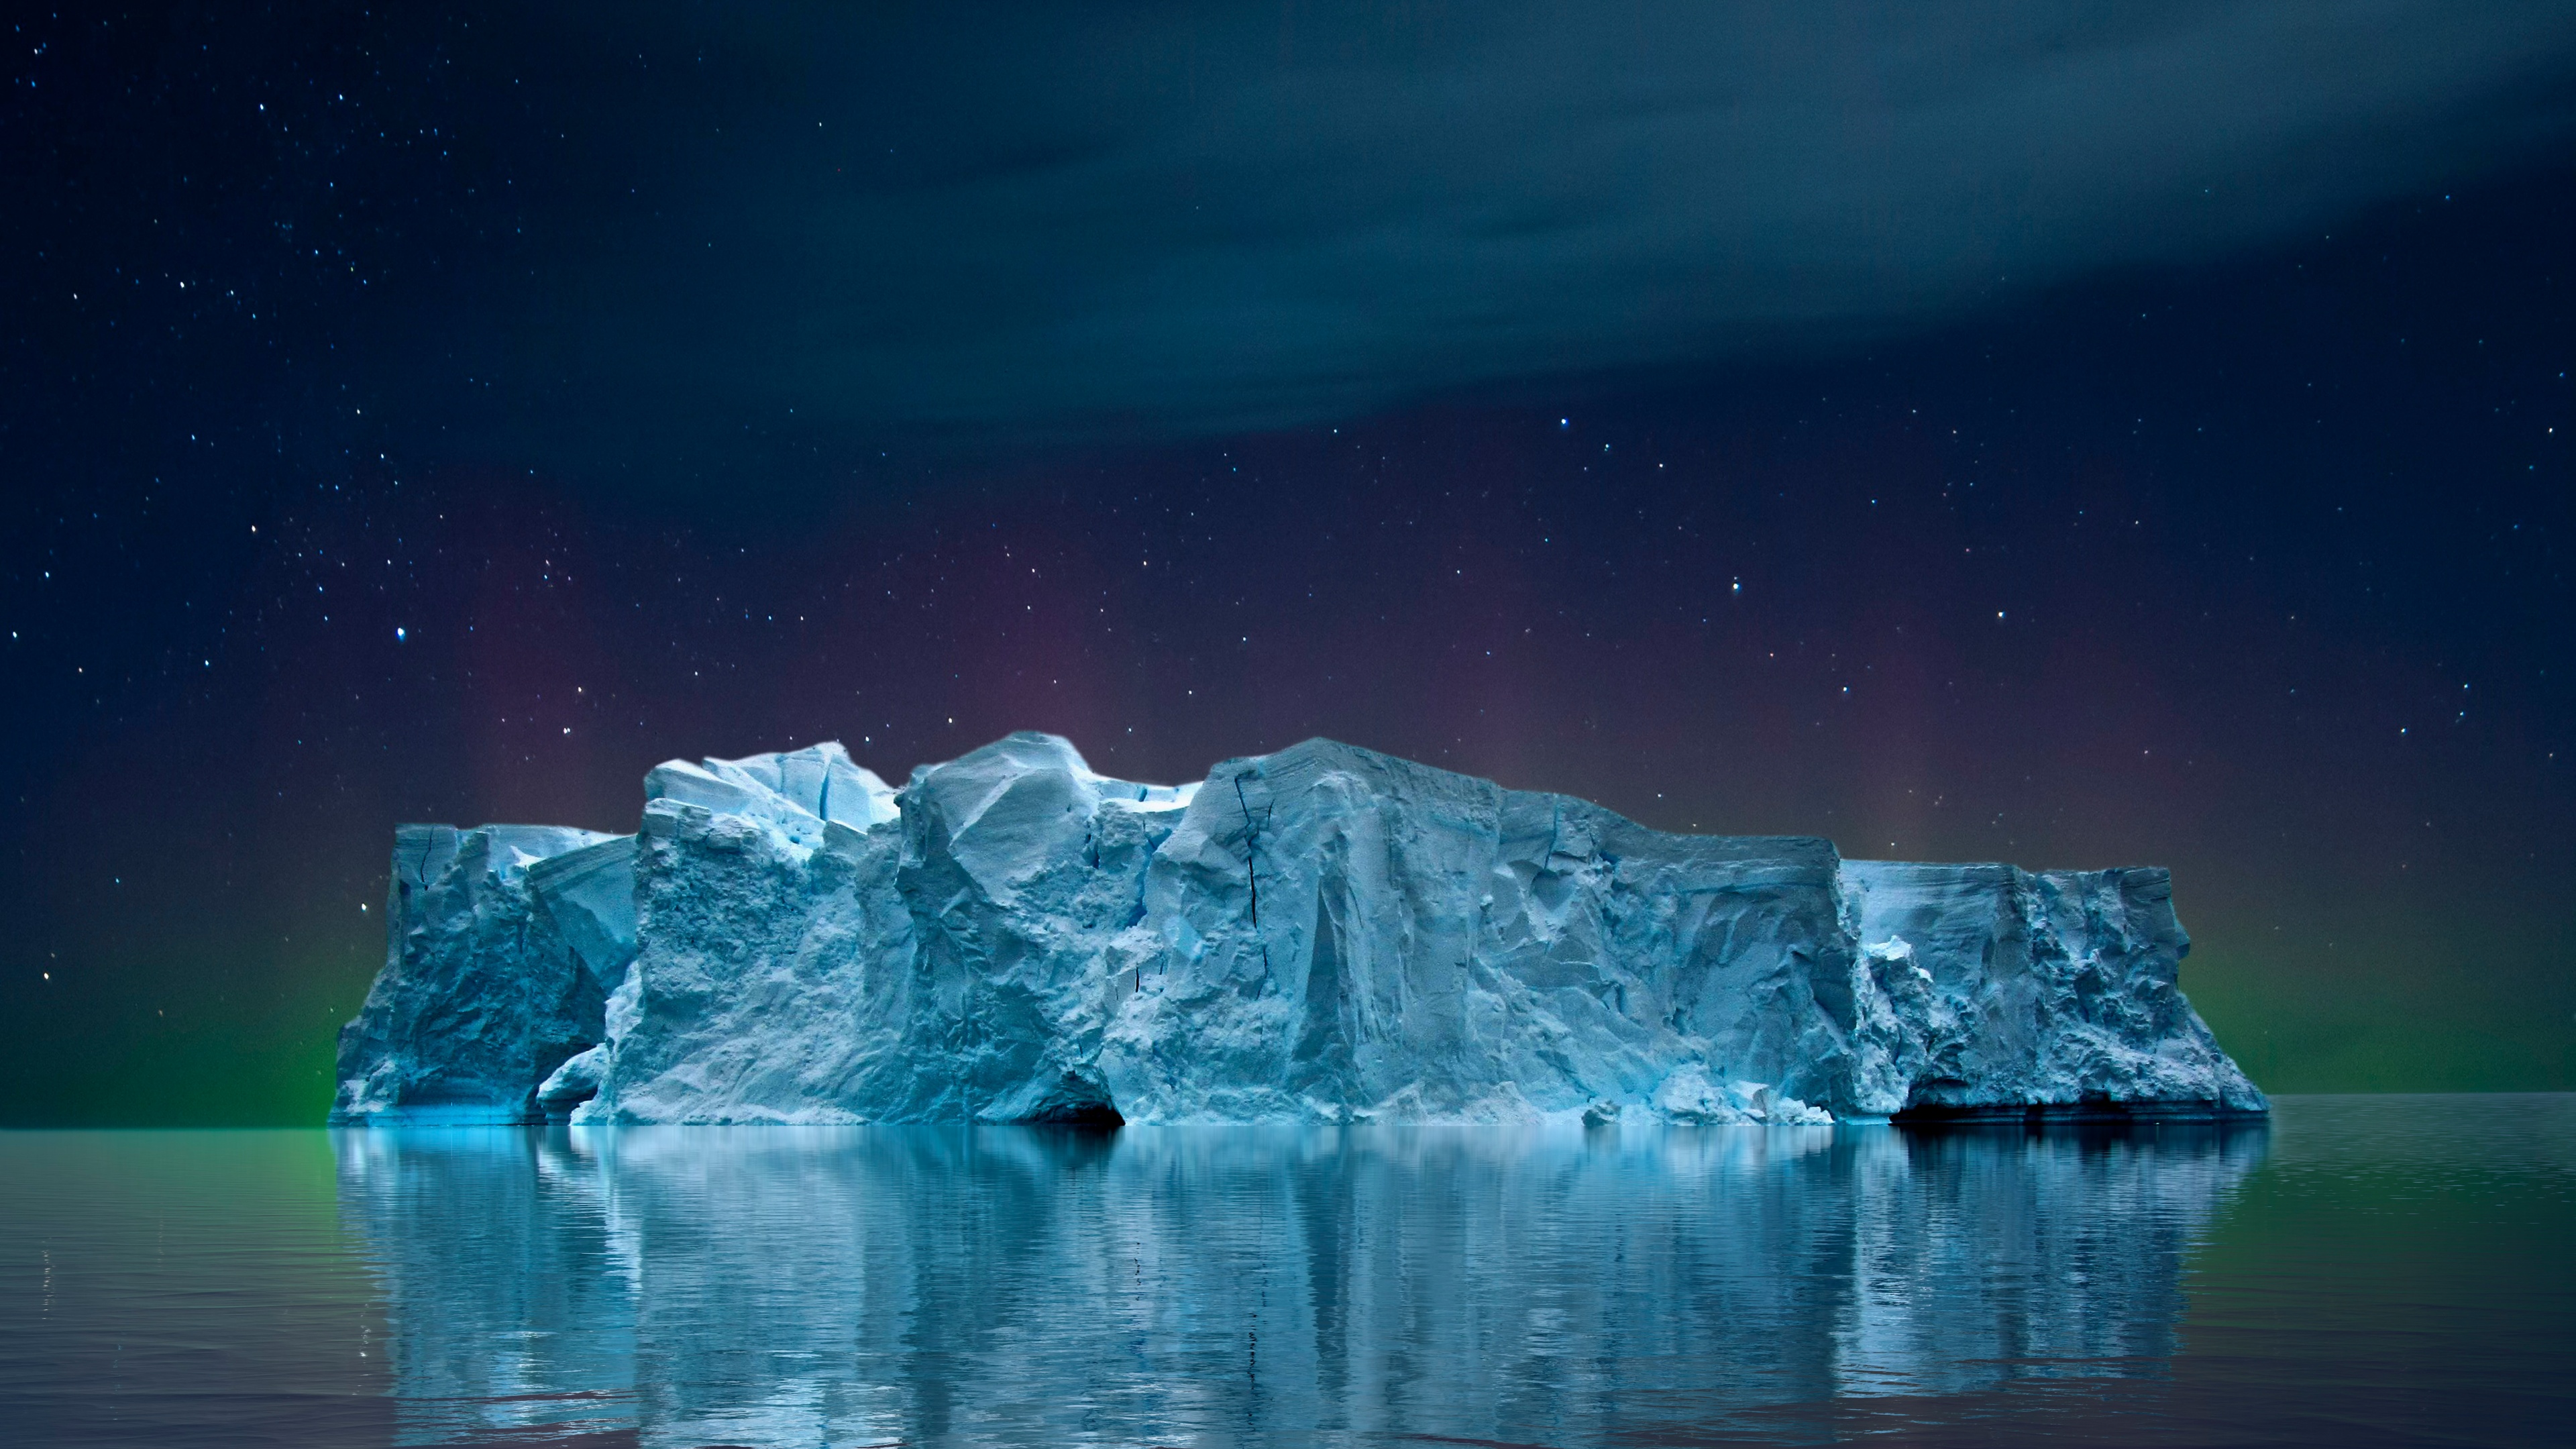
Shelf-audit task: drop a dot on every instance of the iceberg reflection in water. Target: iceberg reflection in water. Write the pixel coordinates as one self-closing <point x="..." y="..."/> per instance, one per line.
<point x="1247" y="1285"/>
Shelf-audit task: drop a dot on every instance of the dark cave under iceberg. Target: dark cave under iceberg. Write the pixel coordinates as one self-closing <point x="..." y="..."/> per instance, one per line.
<point x="1324" y="934"/>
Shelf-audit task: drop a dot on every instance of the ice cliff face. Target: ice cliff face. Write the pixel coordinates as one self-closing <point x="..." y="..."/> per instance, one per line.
<point x="1321" y="934"/>
<point x="488" y="984"/>
<point x="1986" y="987"/>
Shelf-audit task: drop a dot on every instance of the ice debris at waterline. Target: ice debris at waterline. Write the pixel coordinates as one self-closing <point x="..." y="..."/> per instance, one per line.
<point x="1325" y="934"/>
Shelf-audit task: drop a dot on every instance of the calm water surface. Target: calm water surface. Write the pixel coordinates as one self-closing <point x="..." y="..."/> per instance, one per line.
<point x="2365" y="1270"/>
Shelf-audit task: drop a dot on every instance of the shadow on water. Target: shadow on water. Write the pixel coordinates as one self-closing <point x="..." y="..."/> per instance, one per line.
<point x="1290" y="1286"/>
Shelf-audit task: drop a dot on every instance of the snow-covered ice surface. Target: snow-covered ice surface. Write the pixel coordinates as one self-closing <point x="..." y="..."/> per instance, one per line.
<point x="1322" y="934"/>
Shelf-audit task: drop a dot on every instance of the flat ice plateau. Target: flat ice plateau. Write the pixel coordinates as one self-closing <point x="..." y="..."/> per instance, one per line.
<point x="1324" y="934"/>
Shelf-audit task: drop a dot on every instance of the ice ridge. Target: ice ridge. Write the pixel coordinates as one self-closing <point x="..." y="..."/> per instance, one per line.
<point x="1324" y="934"/>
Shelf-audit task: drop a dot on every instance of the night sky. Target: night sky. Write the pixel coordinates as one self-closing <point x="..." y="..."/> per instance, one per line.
<point x="2067" y="441"/>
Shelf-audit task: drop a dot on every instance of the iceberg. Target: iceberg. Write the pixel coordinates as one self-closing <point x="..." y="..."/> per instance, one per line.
<point x="482" y="986"/>
<point x="1323" y="934"/>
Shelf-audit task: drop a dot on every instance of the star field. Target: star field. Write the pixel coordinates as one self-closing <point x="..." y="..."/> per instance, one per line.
<point x="321" y="518"/>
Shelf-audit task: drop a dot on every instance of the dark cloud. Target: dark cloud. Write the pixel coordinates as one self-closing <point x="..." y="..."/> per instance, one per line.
<point x="1077" y="218"/>
<point x="398" y="426"/>
<point x="702" y="239"/>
